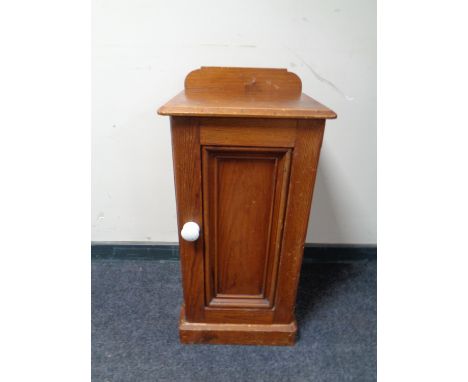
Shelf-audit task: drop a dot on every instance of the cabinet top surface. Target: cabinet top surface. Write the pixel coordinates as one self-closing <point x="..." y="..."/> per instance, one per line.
<point x="244" y="92"/>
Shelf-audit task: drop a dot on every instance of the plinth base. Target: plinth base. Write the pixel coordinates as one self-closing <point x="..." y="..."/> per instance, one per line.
<point x="236" y="334"/>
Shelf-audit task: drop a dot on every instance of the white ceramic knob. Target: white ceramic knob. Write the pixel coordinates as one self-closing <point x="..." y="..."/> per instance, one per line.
<point x="190" y="231"/>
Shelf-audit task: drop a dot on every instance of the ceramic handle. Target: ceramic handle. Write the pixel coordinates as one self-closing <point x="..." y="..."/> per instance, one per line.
<point x="190" y="231"/>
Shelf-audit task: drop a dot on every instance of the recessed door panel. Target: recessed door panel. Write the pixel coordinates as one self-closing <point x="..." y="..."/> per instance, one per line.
<point x="244" y="198"/>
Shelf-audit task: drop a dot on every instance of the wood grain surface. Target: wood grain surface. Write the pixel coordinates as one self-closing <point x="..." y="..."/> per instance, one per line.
<point x="244" y="92"/>
<point x="187" y="179"/>
<point x="236" y="334"/>
<point x="246" y="147"/>
<point x="243" y="81"/>
<point x="243" y="197"/>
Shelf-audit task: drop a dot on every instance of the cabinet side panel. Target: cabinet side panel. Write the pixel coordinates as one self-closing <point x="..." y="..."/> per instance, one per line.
<point x="187" y="179"/>
<point x="303" y="172"/>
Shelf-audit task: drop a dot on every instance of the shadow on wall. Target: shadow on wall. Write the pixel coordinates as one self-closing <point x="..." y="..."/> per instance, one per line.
<point x="325" y="226"/>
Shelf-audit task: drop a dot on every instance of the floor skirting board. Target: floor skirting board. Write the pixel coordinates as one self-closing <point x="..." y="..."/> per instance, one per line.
<point x="313" y="253"/>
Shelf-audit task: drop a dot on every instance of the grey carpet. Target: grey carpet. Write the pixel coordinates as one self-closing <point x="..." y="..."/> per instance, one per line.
<point x="135" y="311"/>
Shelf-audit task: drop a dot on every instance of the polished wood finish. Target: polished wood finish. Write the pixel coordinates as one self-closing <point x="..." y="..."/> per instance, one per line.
<point x="187" y="178"/>
<point x="303" y="172"/>
<point x="259" y="81"/>
<point x="243" y="229"/>
<point x="244" y="92"/>
<point x="253" y="132"/>
<point x="245" y="160"/>
<point x="236" y="334"/>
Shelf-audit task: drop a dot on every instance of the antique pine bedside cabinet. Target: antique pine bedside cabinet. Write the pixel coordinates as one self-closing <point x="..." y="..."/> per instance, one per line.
<point x="246" y="145"/>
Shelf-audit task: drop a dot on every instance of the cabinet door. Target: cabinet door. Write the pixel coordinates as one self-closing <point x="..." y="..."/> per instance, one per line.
<point x="244" y="200"/>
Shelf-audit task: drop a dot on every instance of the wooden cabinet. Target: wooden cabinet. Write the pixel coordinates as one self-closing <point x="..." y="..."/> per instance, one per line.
<point x="246" y="144"/>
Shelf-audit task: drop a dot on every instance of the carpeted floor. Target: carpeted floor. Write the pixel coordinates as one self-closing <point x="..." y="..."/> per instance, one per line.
<point x="135" y="311"/>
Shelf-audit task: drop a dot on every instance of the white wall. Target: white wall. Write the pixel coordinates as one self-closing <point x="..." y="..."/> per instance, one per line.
<point x="142" y="50"/>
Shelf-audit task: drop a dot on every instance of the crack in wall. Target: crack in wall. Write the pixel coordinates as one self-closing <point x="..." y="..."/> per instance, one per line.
<point x="320" y="78"/>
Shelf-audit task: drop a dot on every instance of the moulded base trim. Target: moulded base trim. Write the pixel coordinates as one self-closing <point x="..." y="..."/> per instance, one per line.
<point x="236" y="334"/>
